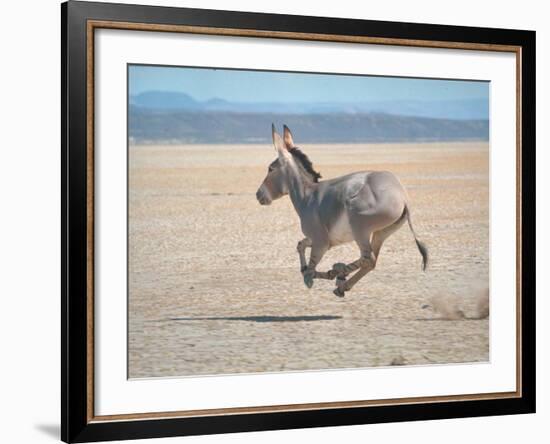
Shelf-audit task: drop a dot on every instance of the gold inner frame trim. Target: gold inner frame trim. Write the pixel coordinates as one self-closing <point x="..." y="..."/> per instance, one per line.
<point x="97" y="24"/>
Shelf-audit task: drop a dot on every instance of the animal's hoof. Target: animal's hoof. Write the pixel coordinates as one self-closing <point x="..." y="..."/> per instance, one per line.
<point x="340" y="289"/>
<point x="308" y="280"/>
<point x="339" y="268"/>
<point x="339" y="292"/>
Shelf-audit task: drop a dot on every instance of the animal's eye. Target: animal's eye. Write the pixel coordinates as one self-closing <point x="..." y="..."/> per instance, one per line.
<point x="270" y="169"/>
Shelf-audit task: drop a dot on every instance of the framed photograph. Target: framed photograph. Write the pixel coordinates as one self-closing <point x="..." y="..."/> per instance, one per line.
<point x="275" y="221"/>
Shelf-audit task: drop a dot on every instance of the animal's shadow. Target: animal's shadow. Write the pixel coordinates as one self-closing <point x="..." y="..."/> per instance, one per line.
<point x="261" y="318"/>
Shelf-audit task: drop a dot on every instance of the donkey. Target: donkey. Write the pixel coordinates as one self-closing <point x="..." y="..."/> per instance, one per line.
<point x="366" y="207"/>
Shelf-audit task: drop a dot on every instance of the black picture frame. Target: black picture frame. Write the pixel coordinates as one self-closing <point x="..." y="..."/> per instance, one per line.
<point x="77" y="425"/>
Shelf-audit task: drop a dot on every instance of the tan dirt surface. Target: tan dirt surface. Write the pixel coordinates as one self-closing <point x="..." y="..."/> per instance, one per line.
<point x="214" y="280"/>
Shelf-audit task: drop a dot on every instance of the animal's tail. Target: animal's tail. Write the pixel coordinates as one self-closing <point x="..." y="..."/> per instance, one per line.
<point x="421" y="246"/>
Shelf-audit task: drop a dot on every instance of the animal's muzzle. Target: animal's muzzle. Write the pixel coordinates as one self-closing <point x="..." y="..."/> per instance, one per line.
<point x="262" y="197"/>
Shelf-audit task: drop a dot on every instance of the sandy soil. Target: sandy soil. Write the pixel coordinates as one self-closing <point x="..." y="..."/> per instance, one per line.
<point x="214" y="281"/>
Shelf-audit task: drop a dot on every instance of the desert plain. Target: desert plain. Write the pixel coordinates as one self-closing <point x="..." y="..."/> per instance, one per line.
<point x="214" y="285"/>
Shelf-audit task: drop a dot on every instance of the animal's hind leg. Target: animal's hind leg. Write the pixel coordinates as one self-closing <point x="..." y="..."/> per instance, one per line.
<point x="344" y="285"/>
<point x="367" y="259"/>
<point x="364" y="264"/>
<point x="378" y="239"/>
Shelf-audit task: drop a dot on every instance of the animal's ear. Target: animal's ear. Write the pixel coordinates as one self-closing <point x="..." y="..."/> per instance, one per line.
<point x="287" y="137"/>
<point x="279" y="145"/>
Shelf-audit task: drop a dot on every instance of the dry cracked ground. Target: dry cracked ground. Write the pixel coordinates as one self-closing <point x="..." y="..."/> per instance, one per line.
<point x="214" y="281"/>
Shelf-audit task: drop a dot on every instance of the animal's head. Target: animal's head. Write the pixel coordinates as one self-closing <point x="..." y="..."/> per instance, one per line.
<point x="275" y="184"/>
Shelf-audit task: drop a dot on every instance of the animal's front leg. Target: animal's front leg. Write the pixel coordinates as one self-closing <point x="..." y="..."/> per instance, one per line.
<point x="330" y="275"/>
<point x="301" y="248"/>
<point x="317" y="253"/>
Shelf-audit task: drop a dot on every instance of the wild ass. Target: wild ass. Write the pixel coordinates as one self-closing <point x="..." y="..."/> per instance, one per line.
<point x="366" y="207"/>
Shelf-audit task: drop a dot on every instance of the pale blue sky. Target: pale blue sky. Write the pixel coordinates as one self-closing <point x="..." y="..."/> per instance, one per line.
<point x="264" y="86"/>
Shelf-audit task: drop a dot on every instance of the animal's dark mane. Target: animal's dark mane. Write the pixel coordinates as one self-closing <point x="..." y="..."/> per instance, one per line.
<point x="304" y="161"/>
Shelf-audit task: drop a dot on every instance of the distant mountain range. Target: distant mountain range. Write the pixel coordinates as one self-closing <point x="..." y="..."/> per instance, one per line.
<point x="172" y="117"/>
<point x="148" y="126"/>
<point x="468" y="109"/>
